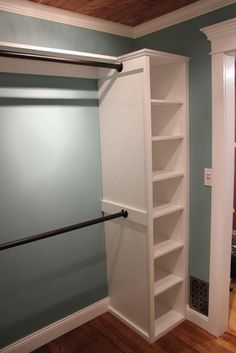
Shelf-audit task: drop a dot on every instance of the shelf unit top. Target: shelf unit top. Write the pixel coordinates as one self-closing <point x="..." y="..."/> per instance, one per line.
<point x="157" y="57"/>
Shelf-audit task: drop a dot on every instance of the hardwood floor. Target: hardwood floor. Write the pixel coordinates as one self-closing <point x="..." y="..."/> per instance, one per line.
<point x="106" y="334"/>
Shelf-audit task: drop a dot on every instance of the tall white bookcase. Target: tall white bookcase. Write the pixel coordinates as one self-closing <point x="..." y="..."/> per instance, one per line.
<point x="144" y="149"/>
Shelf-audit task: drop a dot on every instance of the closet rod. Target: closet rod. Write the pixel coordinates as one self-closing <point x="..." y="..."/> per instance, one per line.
<point x="58" y="59"/>
<point x="52" y="233"/>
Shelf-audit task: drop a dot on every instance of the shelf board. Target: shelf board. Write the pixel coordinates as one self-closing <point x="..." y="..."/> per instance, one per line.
<point x="167" y="321"/>
<point x="167" y="138"/>
<point x="165" y="209"/>
<point x="166" y="246"/>
<point x="158" y="175"/>
<point x="165" y="282"/>
<point x="165" y="102"/>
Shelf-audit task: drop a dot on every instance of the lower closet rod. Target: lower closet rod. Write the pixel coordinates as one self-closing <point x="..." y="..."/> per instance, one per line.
<point x="52" y="233"/>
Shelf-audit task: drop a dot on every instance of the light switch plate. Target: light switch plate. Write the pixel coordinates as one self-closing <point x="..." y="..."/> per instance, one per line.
<point x="207" y="176"/>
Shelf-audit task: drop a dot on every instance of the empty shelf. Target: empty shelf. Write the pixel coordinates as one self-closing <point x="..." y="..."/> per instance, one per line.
<point x="167" y="138"/>
<point x="165" y="102"/>
<point x="158" y="175"/>
<point x="167" y="321"/>
<point x="166" y="208"/>
<point x="166" y="246"/>
<point x="165" y="281"/>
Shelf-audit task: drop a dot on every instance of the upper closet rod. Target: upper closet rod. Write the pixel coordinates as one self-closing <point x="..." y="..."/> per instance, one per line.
<point x="58" y="59"/>
<point x="67" y="229"/>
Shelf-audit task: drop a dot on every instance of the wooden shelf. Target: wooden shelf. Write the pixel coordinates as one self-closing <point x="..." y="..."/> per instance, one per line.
<point x="166" y="246"/>
<point x="168" y="137"/>
<point x="165" y="102"/>
<point x="158" y="175"/>
<point x="167" y="321"/>
<point x="165" y="209"/>
<point x="165" y="282"/>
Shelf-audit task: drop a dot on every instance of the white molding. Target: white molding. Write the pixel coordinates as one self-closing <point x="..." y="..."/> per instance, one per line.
<point x="223" y="123"/>
<point x="186" y="13"/>
<point x="57" y="329"/>
<point x="129" y="323"/>
<point x="167" y="57"/>
<point x="45" y="12"/>
<point x="197" y="318"/>
<point x="222" y="36"/>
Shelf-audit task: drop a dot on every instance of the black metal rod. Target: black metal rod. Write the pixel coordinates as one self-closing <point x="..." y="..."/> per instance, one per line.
<point x="58" y="59"/>
<point x="67" y="229"/>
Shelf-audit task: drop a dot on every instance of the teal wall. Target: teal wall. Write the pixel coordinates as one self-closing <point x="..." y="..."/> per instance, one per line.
<point x="50" y="177"/>
<point x="29" y="30"/>
<point x="186" y="39"/>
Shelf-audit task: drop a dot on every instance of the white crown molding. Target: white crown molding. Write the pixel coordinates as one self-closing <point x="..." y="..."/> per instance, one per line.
<point x="186" y="13"/>
<point x="32" y="9"/>
<point x="222" y="36"/>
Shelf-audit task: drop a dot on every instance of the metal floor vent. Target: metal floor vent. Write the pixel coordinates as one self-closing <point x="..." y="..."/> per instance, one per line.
<point x="199" y="295"/>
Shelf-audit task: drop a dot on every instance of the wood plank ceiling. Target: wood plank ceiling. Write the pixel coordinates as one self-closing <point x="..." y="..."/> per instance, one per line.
<point x="128" y="12"/>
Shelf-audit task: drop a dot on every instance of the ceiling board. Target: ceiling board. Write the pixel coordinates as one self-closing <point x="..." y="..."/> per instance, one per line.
<point x="128" y="12"/>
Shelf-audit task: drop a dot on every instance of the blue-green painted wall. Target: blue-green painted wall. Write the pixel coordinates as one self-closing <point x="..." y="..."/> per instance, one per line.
<point x="186" y="39"/>
<point x="50" y="177"/>
<point x="29" y="30"/>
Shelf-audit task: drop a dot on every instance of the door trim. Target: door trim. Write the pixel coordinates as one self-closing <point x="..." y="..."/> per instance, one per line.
<point x="223" y="45"/>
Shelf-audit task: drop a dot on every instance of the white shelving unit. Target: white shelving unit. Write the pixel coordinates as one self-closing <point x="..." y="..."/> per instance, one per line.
<point x="144" y="148"/>
<point x="169" y="166"/>
<point x="169" y="186"/>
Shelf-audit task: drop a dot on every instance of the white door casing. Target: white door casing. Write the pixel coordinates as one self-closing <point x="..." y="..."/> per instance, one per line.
<point x="223" y="46"/>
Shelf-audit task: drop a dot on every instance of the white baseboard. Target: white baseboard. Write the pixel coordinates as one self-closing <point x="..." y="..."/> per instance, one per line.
<point x="197" y="318"/>
<point x="57" y="329"/>
<point x="129" y="323"/>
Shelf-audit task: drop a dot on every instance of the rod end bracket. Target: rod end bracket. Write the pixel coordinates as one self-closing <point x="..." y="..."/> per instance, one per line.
<point x="125" y="213"/>
<point x="119" y="67"/>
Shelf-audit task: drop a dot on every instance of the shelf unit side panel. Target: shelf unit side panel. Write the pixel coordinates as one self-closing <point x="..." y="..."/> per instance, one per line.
<point x="127" y="269"/>
<point x="121" y="107"/>
<point x="149" y="192"/>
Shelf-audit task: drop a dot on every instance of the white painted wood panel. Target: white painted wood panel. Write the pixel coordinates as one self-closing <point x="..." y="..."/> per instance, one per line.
<point x="126" y="247"/>
<point x="121" y="102"/>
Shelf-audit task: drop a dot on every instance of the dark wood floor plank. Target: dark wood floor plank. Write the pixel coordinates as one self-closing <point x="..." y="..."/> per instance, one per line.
<point x="129" y="338"/>
<point x="192" y="334"/>
<point x="107" y="334"/>
<point x="44" y="349"/>
<point x="171" y="344"/>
